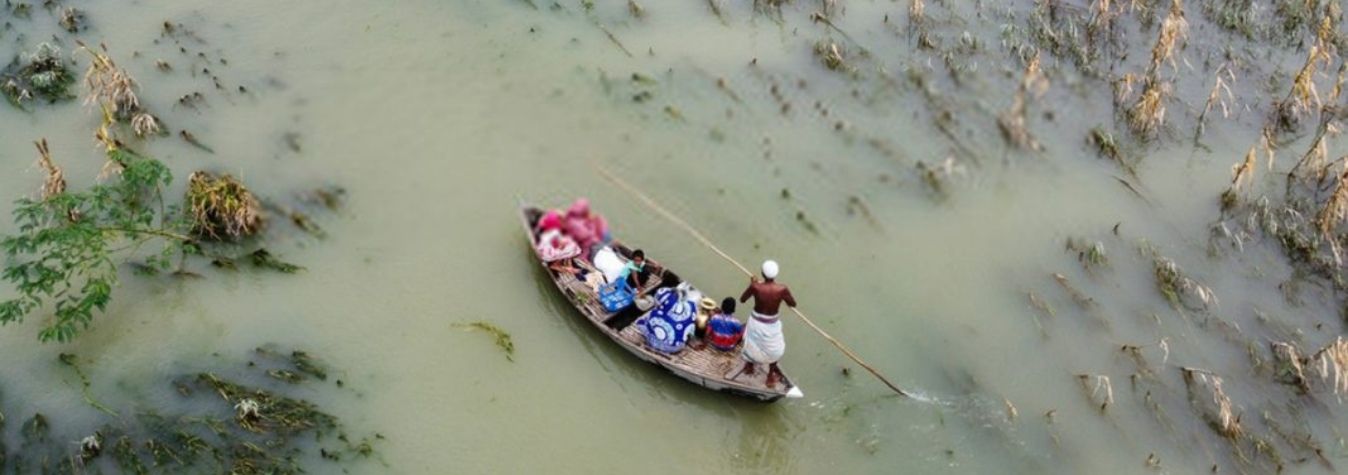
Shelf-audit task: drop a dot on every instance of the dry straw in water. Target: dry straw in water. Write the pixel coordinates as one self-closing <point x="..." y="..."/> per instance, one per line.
<point x="113" y="90"/>
<point x="1013" y="122"/>
<point x="1222" y="411"/>
<point x="1174" y="30"/>
<point x="55" y="183"/>
<point x="1331" y="364"/>
<point x="221" y="207"/>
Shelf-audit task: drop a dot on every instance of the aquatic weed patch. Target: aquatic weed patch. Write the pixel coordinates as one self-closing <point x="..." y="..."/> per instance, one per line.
<point x="43" y="74"/>
<point x="216" y="424"/>
<point x="501" y="337"/>
<point x="69" y="243"/>
<point x="221" y="207"/>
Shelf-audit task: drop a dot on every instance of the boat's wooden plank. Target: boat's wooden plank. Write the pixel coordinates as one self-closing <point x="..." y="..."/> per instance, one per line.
<point x="709" y="362"/>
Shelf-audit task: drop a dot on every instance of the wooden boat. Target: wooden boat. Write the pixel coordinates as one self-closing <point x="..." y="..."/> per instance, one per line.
<point x="704" y="366"/>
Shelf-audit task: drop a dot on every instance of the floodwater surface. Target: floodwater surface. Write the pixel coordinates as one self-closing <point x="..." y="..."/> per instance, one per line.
<point x="919" y="245"/>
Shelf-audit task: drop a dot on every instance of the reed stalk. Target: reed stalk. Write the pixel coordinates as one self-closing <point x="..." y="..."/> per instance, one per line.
<point x="55" y="182"/>
<point x="1174" y="31"/>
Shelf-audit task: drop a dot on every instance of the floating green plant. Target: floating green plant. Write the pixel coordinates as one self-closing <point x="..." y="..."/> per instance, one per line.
<point x="1179" y="289"/>
<point x="71" y="361"/>
<point x="264" y="259"/>
<point x="503" y="340"/>
<point x="1233" y="15"/>
<point x="309" y="365"/>
<point x="1092" y="255"/>
<point x="1106" y="146"/>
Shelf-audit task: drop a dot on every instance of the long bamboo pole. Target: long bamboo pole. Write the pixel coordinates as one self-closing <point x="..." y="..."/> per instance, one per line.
<point x="706" y="242"/>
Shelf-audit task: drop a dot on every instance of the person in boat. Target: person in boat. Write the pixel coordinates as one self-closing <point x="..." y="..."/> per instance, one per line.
<point x="724" y="331"/>
<point x="763" y="341"/>
<point x="587" y="228"/>
<point x="635" y="271"/>
<point x="625" y="317"/>
<point x="670" y="323"/>
<point x="554" y="247"/>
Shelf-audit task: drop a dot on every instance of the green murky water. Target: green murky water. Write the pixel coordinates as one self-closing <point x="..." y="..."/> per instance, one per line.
<point x="437" y="117"/>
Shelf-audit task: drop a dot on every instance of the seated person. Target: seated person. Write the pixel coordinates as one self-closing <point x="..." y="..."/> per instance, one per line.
<point x="724" y="331"/>
<point x="670" y="324"/>
<point x="553" y="247"/>
<point x="625" y="317"/>
<point x="588" y="229"/>
<point x="636" y="271"/>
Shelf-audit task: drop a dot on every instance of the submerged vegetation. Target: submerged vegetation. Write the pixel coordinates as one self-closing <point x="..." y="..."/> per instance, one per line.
<point x="1179" y="289"/>
<point x="1156" y="62"/>
<point x="221" y="207"/>
<point x="502" y="338"/>
<point x="112" y="90"/>
<point x="1130" y="79"/>
<point x="1013" y="121"/>
<point x="1168" y="74"/>
<point x="215" y="424"/>
<point x="71" y="242"/>
<point x="41" y="74"/>
<point x="63" y="253"/>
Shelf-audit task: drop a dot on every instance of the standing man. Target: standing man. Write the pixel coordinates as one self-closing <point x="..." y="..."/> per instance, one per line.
<point x="763" y="342"/>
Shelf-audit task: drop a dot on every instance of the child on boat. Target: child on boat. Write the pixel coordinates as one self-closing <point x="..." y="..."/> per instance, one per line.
<point x="635" y="270"/>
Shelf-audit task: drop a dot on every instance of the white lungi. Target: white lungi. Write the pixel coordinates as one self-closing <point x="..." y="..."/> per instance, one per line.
<point x="763" y="342"/>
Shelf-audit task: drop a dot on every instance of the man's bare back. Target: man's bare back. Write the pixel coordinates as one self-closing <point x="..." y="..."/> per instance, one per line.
<point x="768" y="296"/>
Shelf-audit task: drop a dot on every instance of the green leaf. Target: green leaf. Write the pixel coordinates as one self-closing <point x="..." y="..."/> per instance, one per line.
<point x="67" y="246"/>
<point x="11" y="311"/>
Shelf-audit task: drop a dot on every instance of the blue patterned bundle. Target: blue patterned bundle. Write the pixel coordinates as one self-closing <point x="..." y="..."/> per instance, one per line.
<point x="670" y="323"/>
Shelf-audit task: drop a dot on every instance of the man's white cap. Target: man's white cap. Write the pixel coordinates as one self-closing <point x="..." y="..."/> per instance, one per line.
<point x="770" y="269"/>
